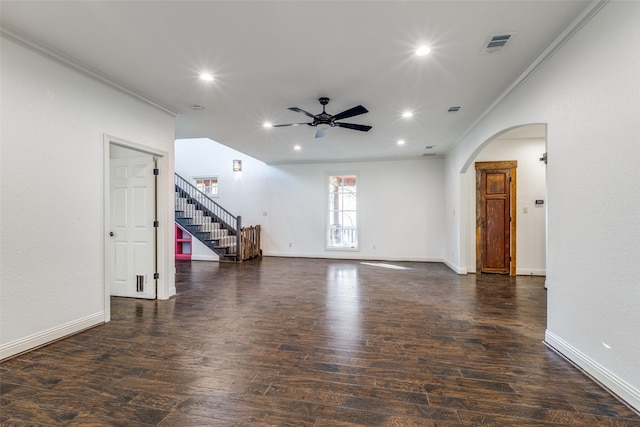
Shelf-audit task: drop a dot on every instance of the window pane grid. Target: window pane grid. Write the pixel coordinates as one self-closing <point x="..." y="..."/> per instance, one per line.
<point x="342" y="219"/>
<point x="208" y="185"/>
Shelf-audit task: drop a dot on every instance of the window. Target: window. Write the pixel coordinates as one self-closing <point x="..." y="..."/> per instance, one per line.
<point x="208" y="185"/>
<point x="342" y="230"/>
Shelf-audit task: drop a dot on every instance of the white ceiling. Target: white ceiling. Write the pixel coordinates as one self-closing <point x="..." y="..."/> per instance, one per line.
<point x="270" y="55"/>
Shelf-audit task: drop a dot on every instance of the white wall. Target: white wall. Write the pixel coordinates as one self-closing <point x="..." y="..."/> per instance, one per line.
<point x="52" y="212"/>
<point x="530" y="225"/>
<point x="400" y="210"/>
<point x="588" y="93"/>
<point x="241" y="193"/>
<point x="201" y="252"/>
<point x="400" y="202"/>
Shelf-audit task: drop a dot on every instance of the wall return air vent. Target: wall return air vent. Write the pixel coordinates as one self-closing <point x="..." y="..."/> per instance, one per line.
<point x="496" y="42"/>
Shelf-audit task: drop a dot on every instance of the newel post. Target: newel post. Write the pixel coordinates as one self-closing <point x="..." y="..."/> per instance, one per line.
<point x="239" y="238"/>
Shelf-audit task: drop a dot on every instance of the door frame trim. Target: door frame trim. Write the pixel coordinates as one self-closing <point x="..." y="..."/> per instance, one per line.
<point x="161" y="202"/>
<point x="507" y="164"/>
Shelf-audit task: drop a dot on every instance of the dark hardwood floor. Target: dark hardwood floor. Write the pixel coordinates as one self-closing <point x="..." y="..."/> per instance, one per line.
<point x="307" y="342"/>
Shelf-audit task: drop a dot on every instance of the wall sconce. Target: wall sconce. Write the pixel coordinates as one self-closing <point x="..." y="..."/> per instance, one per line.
<point x="237" y="165"/>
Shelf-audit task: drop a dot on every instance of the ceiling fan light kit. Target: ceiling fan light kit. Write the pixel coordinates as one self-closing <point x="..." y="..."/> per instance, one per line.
<point x="324" y="120"/>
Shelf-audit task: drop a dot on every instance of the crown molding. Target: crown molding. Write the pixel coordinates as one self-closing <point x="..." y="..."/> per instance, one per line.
<point x="580" y="21"/>
<point x="77" y="66"/>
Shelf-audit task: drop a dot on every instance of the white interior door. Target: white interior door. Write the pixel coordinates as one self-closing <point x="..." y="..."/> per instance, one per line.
<point x="133" y="235"/>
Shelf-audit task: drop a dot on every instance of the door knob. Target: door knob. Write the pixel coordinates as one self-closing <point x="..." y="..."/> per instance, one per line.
<point x="111" y="234"/>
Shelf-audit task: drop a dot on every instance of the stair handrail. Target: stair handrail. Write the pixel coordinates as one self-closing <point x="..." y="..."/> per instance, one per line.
<point x="189" y="190"/>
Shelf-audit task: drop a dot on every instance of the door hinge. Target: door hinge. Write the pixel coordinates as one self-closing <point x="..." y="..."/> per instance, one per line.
<point x="156" y="275"/>
<point x="156" y="171"/>
<point x="544" y="158"/>
<point x="156" y="224"/>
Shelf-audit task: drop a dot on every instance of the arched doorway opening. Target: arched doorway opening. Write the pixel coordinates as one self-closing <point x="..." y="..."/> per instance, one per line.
<point x="525" y="145"/>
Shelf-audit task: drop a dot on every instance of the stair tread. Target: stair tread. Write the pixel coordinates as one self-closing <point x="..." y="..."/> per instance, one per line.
<point x="215" y="235"/>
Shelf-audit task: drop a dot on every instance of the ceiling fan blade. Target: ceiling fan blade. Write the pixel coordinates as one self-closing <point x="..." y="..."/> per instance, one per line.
<point x="290" y="124"/>
<point x="363" y="128"/>
<point x="320" y="133"/>
<point x="355" y="111"/>
<point x="299" y="110"/>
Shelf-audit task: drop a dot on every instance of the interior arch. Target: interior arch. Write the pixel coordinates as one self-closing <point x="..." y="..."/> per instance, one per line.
<point x="526" y="144"/>
<point x="530" y="130"/>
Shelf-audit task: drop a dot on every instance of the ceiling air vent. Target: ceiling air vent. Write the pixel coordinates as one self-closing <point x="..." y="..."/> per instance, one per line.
<point x="496" y="42"/>
<point x="454" y="109"/>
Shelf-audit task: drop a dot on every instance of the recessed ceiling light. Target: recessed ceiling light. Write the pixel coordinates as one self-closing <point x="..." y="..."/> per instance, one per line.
<point x="206" y="77"/>
<point x="423" y="50"/>
<point x="407" y="114"/>
<point x="297" y="147"/>
<point x="267" y="125"/>
<point x="400" y="142"/>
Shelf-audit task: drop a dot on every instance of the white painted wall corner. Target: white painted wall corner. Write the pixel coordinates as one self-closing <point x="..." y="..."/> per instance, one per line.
<point x="610" y="381"/>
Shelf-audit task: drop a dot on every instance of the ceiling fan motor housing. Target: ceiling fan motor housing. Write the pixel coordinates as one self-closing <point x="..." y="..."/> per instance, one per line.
<point x="323" y="118"/>
<point x="331" y="120"/>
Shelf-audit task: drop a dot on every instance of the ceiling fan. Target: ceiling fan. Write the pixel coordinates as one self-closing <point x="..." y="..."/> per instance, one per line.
<point x="324" y="120"/>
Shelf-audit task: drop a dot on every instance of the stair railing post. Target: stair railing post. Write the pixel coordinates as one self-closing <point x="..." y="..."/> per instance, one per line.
<point x="239" y="238"/>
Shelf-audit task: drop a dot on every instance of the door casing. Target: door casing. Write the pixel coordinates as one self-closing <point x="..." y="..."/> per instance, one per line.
<point x="484" y="166"/>
<point x="162" y="267"/>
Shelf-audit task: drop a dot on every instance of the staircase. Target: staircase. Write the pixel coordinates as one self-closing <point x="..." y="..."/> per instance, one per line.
<point x="205" y="229"/>
<point x="214" y="226"/>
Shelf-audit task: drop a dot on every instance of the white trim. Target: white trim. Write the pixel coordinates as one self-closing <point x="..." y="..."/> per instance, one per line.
<point x="77" y="66"/>
<point x="161" y="203"/>
<point x="531" y="272"/>
<point x="45" y="337"/>
<point x="106" y="197"/>
<point x="350" y="257"/>
<point x="456" y="268"/>
<point x="204" y="258"/>
<point x="585" y="16"/>
<point x="327" y="177"/>
<point x="165" y="213"/>
<point x="614" y="384"/>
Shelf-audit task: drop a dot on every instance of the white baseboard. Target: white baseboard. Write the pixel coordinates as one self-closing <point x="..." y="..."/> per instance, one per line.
<point x="205" y="258"/>
<point x="172" y="292"/>
<point x="614" y="384"/>
<point x="45" y="337"/>
<point x="456" y="268"/>
<point x="530" y="272"/>
<point x="356" y="256"/>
